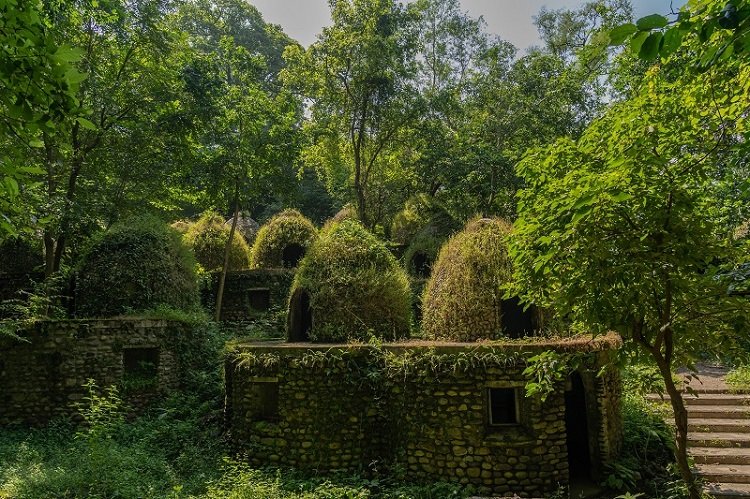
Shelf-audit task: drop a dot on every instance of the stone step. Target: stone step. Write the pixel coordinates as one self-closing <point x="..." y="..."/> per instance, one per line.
<point x="719" y="425"/>
<point x="729" y="490"/>
<point x="720" y="455"/>
<point x="719" y="411"/>
<point x="706" y="399"/>
<point x="724" y="473"/>
<point x="715" y="439"/>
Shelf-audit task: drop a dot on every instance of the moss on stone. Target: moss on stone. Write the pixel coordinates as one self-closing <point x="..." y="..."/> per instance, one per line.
<point x="208" y="238"/>
<point x="463" y="299"/>
<point x="355" y="286"/>
<point x="137" y="265"/>
<point x="283" y="240"/>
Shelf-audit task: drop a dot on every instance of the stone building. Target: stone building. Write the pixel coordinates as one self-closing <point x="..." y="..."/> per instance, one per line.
<point x="440" y="412"/>
<point x="43" y="375"/>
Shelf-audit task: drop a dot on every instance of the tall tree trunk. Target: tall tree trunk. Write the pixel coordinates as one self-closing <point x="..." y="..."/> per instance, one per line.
<point x="227" y="251"/>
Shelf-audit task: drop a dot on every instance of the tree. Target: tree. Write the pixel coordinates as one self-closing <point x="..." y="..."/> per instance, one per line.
<point x="39" y="85"/>
<point x="620" y="229"/>
<point x="359" y="77"/>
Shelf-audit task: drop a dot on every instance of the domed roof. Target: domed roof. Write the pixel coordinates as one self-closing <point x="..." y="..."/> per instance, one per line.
<point x="246" y="226"/>
<point x="349" y="287"/>
<point x="283" y="241"/>
<point x="208" y="238"/>
<point x="464" y="298"/>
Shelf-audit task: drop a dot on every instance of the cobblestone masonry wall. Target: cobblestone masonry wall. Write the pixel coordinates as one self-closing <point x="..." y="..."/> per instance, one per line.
<point x="42" y="377"/>
<point x="345" y="408"/>
<point x="237" y="302"/>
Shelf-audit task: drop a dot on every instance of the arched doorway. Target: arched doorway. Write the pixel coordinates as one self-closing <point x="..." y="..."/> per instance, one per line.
<point x="300" y="317"/>
<point x="577" y="430"/>
<point x="421" y="264"/>
<point x="291" y="255"/>
<point x="516" y="321"/>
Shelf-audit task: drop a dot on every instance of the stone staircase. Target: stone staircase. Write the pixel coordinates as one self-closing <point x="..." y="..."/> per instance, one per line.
<point x="718" y="433"/>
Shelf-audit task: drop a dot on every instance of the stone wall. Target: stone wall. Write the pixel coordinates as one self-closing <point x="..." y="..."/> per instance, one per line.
<point x="42" y="377"/>
<point x="420" y="406"/>
<point x="248" y="294"/>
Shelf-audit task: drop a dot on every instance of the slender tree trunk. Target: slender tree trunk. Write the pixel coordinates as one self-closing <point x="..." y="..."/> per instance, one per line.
<point x="681" y="423"/>
<point x="227" y="250"/>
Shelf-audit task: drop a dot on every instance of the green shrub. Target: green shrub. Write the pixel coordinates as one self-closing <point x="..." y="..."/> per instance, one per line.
<point x="181" y="226"/>
<point x="19" y="255"/>
<point x="208" y="237"/>
<point x="136" y="265"/>
<point x="355" y="286"/>
<point x="739" y="378"/>
<point x="463" y="299"/>
<point x="743" y="231"/>
<point x="283" y="240"/>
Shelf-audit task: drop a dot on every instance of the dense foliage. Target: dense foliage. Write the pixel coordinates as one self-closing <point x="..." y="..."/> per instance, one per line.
<point x="282" y="232"/>
<point x="208" y="238"/>
<point x="136" y="265"/>
<point x="20" y="255"/>
<point x="356" y="288"/>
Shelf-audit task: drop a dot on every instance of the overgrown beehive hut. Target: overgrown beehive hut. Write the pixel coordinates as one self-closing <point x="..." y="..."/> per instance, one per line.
<point x="421" y="228"/>
<point x="246" y="226"/>
<point x="464" y="299"/>
<point x="349" y="287"/>
<point x="283" y="241"/>
<point x="208" y="238"/>
<point x="137" y="265"/>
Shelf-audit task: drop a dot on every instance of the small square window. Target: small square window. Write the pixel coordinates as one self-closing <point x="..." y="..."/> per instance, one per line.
<point x="140" y="363"/>
<point x="503" y="407"/>
<point x="265" y="400"/>
<point x="259" y="298"/>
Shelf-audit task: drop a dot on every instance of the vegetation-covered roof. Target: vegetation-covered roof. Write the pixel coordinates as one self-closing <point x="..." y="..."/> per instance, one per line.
<point x="283" y="240"/>
<point x="356" y="288"/>
<point x="137" y="265"/>
<point x="208" y="238"/>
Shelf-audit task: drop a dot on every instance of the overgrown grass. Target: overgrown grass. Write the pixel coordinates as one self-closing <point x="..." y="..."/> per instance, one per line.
<point x="739" y="378"/>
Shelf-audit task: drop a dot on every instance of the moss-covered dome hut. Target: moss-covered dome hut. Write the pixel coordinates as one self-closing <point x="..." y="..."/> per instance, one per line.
<point x="136" y="265"/>
<point x="421" y="228"/>
<point x="246" y="226"/>
<point x="349" y="287"/>
<point x="464" y="298"/>
<point x="283" y="241"/>
<point x="208" y="237"/>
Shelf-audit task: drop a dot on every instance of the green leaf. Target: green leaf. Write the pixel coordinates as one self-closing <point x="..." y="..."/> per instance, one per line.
<point x="36" y="143"/>
<point x="637" y="41"/>
<point x="618" y="35"/>
<point x="86" y="124"/>
<point x="650" y="47"/>
<point x="654" y="21"/>
<point x="67" y="54"/>
<point x="671" y="41"/>
<point x="620" y="197"/>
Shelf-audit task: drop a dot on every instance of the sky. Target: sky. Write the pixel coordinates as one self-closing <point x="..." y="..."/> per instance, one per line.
<point x="509" y="19"/>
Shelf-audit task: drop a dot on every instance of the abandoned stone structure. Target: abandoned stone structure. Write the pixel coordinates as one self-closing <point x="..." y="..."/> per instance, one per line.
<point x="440" y="411"/>
<point x="44" y="376"/>
<point x="249" y="294"/>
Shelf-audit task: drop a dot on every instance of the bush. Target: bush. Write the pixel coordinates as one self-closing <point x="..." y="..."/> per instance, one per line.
<point x="136" y="265"/>
<point x="20" y="256"/>
<point x="739" y="378"/>
<point x="743" y="231"/>
<point x="283" y="241"/>
<point x="355" y="286"/>
<point x="463" y="300"/>
<point x="208" y="237"/>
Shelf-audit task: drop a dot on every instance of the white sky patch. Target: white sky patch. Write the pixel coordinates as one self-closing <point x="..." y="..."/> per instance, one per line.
<point x="511" y="20"/>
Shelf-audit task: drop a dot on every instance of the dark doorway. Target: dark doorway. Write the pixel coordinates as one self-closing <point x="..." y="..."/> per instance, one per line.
<point x="291" y="255"/>
<point x="516" y="321"/>
<point x="577" y="429"/>
<point x="422" y="264"/>
<point x="300" y="316"/>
